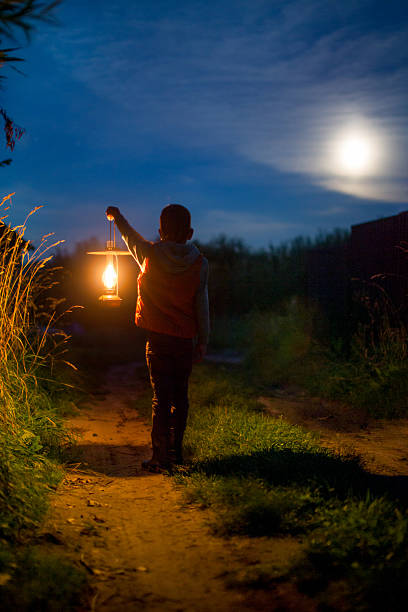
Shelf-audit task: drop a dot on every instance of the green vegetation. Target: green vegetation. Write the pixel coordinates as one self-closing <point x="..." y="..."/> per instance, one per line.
<point x="353" y="352"/>
<point x="243" y="280"/>
<point x="287" y="347"/>
<point x="290" y="346"/>
<point x="40" y="581"/>
<point x="32" y="435"/>
<point x="263" y="477"/>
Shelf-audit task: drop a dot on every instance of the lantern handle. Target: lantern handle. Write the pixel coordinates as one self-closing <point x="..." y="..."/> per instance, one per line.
<point x="111" y="243"/>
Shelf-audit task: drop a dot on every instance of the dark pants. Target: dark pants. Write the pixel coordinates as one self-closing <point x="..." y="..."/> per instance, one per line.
<point x="169" y="360"/>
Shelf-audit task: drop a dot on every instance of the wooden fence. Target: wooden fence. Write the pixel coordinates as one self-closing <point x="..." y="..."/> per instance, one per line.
<point x="373" y="263"/>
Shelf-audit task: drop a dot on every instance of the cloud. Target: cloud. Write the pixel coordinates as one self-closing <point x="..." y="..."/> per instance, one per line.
<point x="378" y="190"/>
<point x="251" y="227"/>
<point x="331" y="211"/>
<point x="255" y="81"/>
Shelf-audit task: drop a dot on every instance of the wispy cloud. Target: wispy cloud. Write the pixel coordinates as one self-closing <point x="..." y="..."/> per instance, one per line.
<point x="253" y="81"/>
<point x="381" y="190"/>
<point x="331" y="211"/>
<point x="254" y="228"/>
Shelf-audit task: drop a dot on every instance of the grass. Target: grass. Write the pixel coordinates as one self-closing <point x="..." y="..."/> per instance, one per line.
<point x="285" y="347"/>
<point x="45" y="582"/>
<point x="263" y="477"/>
<point x="33" y="399"/>
<point x="378" y="387"/>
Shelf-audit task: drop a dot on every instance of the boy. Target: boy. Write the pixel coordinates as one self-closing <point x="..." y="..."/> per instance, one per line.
<point x="172" y="306"/>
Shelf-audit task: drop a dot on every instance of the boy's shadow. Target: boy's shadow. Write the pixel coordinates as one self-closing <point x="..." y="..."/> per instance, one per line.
<point x="121" y="461"/>
<point x="340" y="476"/>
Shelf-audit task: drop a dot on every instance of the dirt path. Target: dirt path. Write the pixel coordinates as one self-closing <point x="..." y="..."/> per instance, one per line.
<point x="142" y="548"/>
<point x="382" y="444"/>
<point x="146" y="550"/>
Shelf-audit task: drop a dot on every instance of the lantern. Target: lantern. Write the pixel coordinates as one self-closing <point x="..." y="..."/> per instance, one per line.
<point x="110" y="276"/>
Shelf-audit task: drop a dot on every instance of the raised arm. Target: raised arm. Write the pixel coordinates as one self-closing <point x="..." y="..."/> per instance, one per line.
<point x="138" y="246"/>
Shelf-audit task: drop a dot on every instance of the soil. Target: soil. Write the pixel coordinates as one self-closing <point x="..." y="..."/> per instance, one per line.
<point x="143" y="547"/>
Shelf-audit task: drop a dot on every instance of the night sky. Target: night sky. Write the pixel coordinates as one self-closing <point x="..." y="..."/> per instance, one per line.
<point x="267" y="119"/>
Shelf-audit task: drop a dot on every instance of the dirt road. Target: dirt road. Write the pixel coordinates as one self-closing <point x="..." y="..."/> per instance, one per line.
<point x="144" y="549"/>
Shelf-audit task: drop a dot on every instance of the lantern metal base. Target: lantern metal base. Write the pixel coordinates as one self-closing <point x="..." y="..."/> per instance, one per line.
<point x="109" y="299"/>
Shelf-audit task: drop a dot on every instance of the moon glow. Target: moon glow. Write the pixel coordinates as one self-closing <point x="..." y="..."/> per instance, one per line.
<point x="355" y="155"/>
<point x="357" y="152"/>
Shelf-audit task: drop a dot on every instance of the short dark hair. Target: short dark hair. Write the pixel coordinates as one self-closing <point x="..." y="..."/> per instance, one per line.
<point x="175" y="222"/>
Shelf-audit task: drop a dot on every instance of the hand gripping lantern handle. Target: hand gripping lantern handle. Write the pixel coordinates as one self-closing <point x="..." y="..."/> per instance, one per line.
<point x="110" y="276"/>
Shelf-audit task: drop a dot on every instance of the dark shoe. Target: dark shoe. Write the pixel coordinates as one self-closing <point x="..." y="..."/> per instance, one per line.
<point x="178" y="460"/>
<point x="155" y="467"/>
<point x="178" y="454"/>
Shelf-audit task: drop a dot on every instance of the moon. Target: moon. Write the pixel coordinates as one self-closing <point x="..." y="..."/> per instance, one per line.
<point x="358" y="156"/>
<point x="355" y="154"/>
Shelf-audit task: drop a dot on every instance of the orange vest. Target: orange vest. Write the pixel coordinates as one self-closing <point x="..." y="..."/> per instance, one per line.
<point x="165" y="302"/>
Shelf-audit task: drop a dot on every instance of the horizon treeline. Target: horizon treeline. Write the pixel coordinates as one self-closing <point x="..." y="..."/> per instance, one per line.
<point x="242" y="279"/>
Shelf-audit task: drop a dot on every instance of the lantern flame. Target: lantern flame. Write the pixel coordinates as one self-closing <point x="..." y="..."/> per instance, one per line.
<point x="109" y="277"/>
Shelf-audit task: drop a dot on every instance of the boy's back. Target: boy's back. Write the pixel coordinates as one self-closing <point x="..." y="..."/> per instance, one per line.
<point x="171" y="284"/>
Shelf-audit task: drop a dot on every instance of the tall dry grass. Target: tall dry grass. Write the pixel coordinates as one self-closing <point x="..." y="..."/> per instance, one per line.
<point x="29" y="341"/>
<point x="31" y="428"/>
<point x="32" y="433"/>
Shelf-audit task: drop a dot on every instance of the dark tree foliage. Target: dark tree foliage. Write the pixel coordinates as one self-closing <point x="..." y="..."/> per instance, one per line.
<point x="11" y="130"/>
<point x="243" y="279"/>
<point x="18" y="16"/>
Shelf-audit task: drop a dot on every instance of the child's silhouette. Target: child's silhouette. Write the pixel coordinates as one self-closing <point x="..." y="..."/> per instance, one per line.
<point x="172" y="306"/>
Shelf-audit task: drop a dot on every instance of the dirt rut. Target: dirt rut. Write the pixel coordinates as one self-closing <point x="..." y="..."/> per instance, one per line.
<point x="144" y="549"/>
